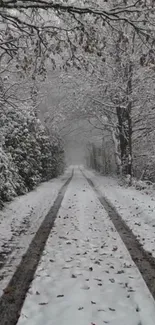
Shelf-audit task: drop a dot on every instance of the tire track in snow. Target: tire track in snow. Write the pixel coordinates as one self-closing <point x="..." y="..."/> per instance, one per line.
<point x="14" y="294"/>
<point x="143" y="259"/>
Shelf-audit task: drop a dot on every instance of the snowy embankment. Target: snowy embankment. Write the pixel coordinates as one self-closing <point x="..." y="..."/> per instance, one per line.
<point x="19" y="222"/>
<point x="86" y="275"/>
<point x="135" y="207"/>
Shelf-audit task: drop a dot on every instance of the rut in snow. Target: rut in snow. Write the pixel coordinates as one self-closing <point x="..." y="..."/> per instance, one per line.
<point x="143" y="259"/>
<point x="14" y="294"/>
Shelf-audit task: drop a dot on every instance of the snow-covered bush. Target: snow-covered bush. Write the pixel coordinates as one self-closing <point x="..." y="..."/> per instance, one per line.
<point x="11" y="184"/>
<point x="52" y="153"/>
<point x="28" y="155"/>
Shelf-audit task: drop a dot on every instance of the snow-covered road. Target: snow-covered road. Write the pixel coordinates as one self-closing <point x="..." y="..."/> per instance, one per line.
<point x="86" y="275"/>
<point x="20" y="220"/>
<point x="137" y="208"/>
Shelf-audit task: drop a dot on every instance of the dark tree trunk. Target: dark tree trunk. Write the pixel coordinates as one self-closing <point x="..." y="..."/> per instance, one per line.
<point x="125" y="125"/>
<point x="129" y="118"/>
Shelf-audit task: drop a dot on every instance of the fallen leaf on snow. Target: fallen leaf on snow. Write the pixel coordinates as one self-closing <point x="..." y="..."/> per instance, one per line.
<point x="115" y="248"/>
<point x="101" y="309"/>
<point x="120" y="272"/>
<point x="112" y="309"/>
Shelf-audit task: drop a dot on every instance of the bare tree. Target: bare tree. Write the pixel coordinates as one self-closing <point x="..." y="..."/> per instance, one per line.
<point x="47" y="28"/>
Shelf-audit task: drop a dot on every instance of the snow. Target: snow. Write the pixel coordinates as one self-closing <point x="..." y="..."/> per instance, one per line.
<point x="20" y="220"/>
<point x="86" y="275"/>
<point x="136" y="207"/>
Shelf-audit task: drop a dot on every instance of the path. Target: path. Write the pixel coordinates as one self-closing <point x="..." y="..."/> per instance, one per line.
<point x="85" y="275"/>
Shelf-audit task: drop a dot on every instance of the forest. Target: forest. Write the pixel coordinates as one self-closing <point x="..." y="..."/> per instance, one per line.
<point x="77" y="162"/>
<point x="80" y="69"/>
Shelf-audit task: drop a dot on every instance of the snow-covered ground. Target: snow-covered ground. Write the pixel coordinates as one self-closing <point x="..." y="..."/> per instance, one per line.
<point x="20" y="220"/>
<point x="136" y="207"/>
<point x="86" y="275"/>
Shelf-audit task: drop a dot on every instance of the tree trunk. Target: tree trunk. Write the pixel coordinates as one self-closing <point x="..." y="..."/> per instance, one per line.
<point x="116" y="151"/>
<point x="125" y="126"/>
<point x="129" y="117"/>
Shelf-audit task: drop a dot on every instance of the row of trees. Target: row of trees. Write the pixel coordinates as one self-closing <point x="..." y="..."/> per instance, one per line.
<point x="111" y="44"/>
<point x="28" y="155"/>
<point x="101" y="99"/>
<point x="128" y="103"/>
<point x="121" y="100"/>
